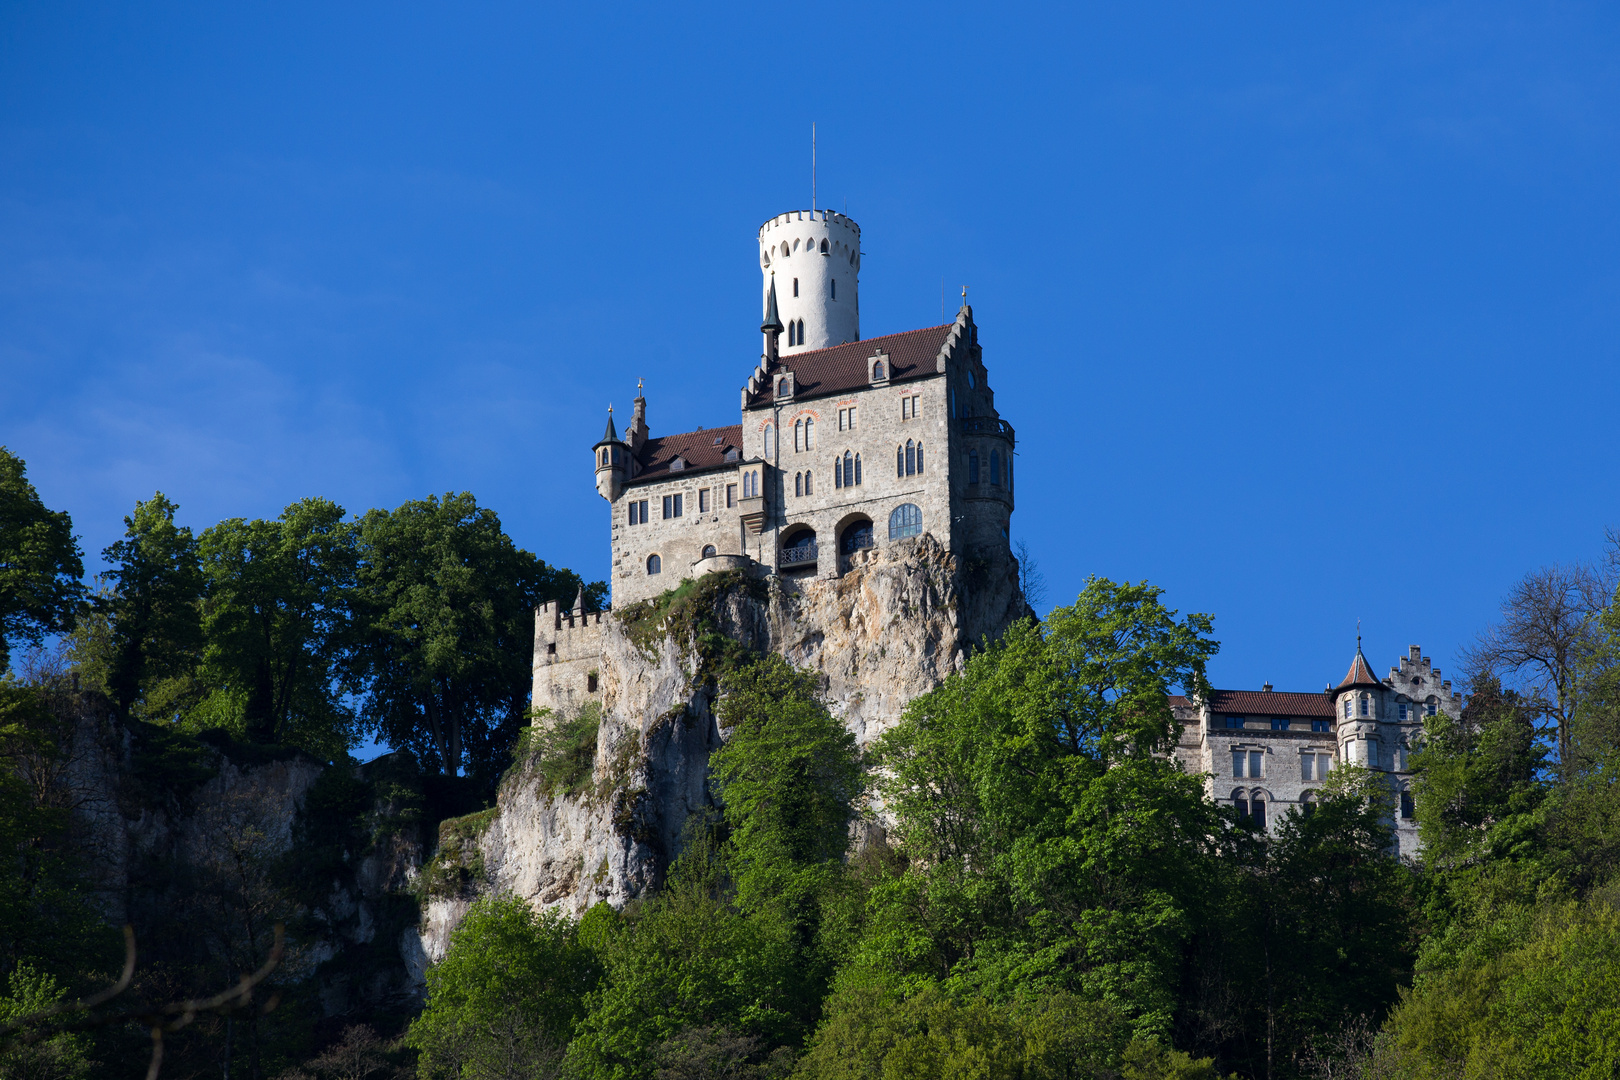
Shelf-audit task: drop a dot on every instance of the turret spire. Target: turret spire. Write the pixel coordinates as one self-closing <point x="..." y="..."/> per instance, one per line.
<point x="772" y="326"/>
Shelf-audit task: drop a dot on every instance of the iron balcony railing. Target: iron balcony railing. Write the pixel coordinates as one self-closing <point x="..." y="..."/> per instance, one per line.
<point x="858" y="542"/>
<point x="798" y="555"/>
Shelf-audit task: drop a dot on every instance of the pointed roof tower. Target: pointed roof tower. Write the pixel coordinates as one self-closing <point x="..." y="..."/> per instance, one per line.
<point x="1360" y="674"/>
<point x="611" y="435"/>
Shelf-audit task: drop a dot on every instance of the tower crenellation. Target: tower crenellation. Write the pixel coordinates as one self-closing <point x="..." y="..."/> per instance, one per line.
<point x="815" y="258"/>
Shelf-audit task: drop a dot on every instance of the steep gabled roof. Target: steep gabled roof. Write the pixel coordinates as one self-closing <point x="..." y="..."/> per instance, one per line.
<point x="704" y="449"/>
<point x="842" y="368"/>
<point x="1360" y="673"/>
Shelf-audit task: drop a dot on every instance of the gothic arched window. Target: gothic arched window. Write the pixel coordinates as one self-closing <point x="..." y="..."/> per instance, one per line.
<point x="798" y="435"/>
<point x="809" y="483"/>
<point x="995" y="467"/>
<point x="655" y="565"/>
<point x="823" y="251"/>
<point x="809" y="433"/>
<point x="849" y="470"/>
<point x="1240" y="802"/>
<point x="911" y="458"/>
<point x="798" y="483"/>
<point x="857" y="468"/>
<point x="1407" y="808"/>
<point x="899" y="461"/>
<point x="919" y="456"/>
<point x="906" y="520"/>
<point x="973" y="466"/>
<point x="768" y="441"/>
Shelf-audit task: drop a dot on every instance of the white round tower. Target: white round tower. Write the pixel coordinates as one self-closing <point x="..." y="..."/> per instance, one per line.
<point x="816" y="258"/>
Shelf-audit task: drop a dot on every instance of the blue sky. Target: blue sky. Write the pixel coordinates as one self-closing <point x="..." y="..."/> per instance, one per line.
<point x="1306" y="313"/>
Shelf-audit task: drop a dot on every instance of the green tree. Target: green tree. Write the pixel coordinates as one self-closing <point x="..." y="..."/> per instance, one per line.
<point x="40" y="563"/>
<point x="279" y="597"/>
<point x="1543" y="1003"/>
<point x="503" y="1001"/>
<point x="1052" y="845"/>
<point x="445" y="631"/>
<point x="155" y="612"/>
<point x="788" y="777"/>
<point x="731" y="962"/>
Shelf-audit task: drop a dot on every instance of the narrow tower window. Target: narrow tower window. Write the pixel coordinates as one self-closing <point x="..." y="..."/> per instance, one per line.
<point x="919" y="458"/>
<point x="899" y="461"/>
<point x="809" y="483"/>
<point x="798" y="483"/>
<point x="857" y="468"/>
<point x="795" y="286"/>
<point x="973" y="466"/>
<point x="911" y="459"/>
<point x="995" y="467"/>
<point x="834" y="283"/>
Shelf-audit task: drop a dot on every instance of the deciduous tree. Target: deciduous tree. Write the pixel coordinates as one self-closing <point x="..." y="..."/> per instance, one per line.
<point x="40" y="563"/>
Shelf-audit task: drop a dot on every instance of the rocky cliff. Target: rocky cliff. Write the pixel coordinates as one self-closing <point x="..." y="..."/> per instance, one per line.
<point x="893" y="626"/>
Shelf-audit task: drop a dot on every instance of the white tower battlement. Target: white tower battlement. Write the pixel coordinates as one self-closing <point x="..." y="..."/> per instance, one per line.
<point x="816" y="257"/>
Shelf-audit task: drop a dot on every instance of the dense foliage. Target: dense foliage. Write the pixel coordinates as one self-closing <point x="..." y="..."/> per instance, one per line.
<point x="1017" y="881"/>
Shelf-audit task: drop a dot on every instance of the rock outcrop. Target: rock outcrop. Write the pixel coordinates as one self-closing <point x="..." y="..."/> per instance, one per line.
<point x="891" y="627"/>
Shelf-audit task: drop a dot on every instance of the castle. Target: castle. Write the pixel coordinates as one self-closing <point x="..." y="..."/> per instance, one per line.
<point x="1268" y="751"/>
<point x="842" y="444"/>
<point x="846" y="445"/>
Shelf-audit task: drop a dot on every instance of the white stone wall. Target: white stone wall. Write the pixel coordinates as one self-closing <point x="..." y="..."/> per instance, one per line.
<point x="790" y="248"/>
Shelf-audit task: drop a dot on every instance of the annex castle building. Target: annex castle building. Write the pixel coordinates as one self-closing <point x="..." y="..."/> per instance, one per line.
<point x="1267" y="751"/>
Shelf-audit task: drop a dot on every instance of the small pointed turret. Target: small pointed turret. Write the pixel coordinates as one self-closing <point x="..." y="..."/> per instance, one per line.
<point x="771" y="327"/>
<point x="1360" y="674"/>
<point x="612" y="461"/>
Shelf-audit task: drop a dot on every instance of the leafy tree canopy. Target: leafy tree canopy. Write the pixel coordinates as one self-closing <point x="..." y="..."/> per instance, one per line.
<point x="40" y="563"/>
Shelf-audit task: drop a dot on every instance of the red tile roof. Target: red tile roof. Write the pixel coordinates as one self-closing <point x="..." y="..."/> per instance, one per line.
<point x="1262" y="703"/>
<point x="1270" y="703"/>
<point x="704" y="449"/>
<point x="843" y="367"/>
<point x="1360" y="673"/>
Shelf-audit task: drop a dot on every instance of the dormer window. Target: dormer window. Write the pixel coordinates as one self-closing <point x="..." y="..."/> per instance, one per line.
<point x="877" y="371"/>
<point x="678" y="464"/>
<point x="732" y="453"/>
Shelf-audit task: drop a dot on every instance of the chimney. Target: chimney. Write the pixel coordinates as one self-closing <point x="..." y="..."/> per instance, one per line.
<point x="1265" y="688"/>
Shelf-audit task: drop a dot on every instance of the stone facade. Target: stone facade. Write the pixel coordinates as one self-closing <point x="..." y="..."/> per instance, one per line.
<point x="1268" y="751"/>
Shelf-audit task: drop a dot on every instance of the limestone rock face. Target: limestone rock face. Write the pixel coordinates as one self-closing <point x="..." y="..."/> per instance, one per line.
<point x="898" y="621"/>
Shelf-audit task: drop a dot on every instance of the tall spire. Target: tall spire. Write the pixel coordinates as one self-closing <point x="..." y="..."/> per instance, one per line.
<point x="610" y="435"/>
<point x="773" y="321"/>
<point x="772" y="326"/>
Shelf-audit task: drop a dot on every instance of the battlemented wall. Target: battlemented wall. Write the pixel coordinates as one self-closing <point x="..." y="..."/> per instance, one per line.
<point x="567" y="658"/>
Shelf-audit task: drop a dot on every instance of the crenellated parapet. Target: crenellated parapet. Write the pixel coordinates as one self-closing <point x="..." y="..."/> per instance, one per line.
<point x="567" y="656"/>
